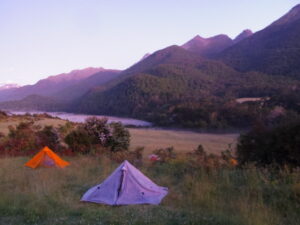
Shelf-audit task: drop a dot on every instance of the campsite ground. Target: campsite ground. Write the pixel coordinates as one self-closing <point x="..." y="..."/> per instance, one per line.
<point x="215" y="197"/>
<point x="151" y="139"/>
<point x="197" y="195"/>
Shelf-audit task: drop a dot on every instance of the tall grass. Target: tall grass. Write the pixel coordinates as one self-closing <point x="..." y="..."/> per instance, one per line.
<point x="210" y="197"/>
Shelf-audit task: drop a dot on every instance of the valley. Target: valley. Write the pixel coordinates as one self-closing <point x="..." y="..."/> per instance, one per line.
<point x="203" y="130"/>
<point x="193" y="85"/>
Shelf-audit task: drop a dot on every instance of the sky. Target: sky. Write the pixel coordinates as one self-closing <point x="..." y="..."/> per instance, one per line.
<point x="39" y="38"/>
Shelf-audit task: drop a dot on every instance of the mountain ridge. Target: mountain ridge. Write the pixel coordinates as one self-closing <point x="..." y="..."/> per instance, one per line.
<point x="292" y="15"/>
<point x="209" y="47"/>
<point x="274" y="50"/>
<point x="50" y="85"/>
<point x="197" y="84"/>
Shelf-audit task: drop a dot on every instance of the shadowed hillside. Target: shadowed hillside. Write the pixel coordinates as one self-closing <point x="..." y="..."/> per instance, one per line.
<point x="177" y="87"/>
<point x="273" y="50"/>
<point x="49" y="86"/>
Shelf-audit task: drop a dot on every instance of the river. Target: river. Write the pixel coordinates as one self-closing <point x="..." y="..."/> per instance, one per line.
<point x="82" y="117"/>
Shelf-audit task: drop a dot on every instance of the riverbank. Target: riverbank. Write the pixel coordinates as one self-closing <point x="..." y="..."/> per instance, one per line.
<point x="80" y="118"/>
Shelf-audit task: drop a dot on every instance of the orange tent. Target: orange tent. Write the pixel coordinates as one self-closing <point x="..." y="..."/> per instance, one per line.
<point x="46" y="158"/>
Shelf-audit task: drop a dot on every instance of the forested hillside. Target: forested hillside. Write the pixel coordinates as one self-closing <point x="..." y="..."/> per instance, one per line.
<point x="273" y="50"/>
<point x="188" y="91"/>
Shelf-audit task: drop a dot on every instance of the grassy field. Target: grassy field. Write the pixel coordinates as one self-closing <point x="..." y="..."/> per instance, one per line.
<point x="228" y="196"/>
<point x="215" y="197"/>
<point x="183" y="141"/>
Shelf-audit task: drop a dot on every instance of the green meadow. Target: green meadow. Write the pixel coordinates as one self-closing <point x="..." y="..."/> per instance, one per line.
<point x="202" y="196"/>
<point x="207" y="194"/>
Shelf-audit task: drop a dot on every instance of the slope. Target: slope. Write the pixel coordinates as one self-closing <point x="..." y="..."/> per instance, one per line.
<point x="210" y="47"/>
<point x="177" y="87"/>
<point x="49" y="86"/>
<point x="273" y="50"/>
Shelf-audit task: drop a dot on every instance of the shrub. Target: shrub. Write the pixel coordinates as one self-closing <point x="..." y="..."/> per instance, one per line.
<point x="136" y="156"/>
<point x="120" y="137"/>
<point x="26" y="138"/>
<point x="165" y="154"/>
<point x="21" y="139"/>
<point x="197" y="157"/>
<point x="264" y="146"/>
<point x="98" y="130"/>
<point x="66" y="128"/>
<point x="79" y="141"/>
<point x="49" y="136"/>
<point x="97" y="134"/>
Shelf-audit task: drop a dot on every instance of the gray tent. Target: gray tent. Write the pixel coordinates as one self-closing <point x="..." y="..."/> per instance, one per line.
<point x="126" y="186"/>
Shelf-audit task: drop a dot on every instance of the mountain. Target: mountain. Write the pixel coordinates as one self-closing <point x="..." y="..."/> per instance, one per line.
<point x="50" y="85"/>
<point x="274" y="50"/>
<point x="76" y="84"/>
<point x="292" y="16"/>
<point x="80" y="88"/>
<point x="34" y="103"/>
<point x="145" y="56"/>
<point x="166" y="77"/>
<point x="170" y="55"/>
<point x="195" y="85"/>
<point x="174" y="86"/>
<point x="245" y="34"/>
<point x="8" y="86"/>
<point x="208" y="47"/>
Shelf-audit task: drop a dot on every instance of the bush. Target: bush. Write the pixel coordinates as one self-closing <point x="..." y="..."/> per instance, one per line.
<point x="264" y="146"/>
<point x="79" y="141"/>
<point x="26" y="138"/>
<point x="98" y="130"/>
<point x="119" y="139"/>
<point x="49" y="136"/>
<point x="165" y="154"/>
<point x="98" y="134"/>
<point x="21" y="139"/>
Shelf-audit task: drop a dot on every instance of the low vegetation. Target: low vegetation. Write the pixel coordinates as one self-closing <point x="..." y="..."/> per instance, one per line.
<point x="277" y="146"/>
<point x="150" y="139"/>
<point x="197" y="195"/>
<point x="204" y="188"/>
